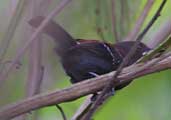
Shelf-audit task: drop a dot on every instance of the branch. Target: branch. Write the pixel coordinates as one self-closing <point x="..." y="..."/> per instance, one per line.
<point x="83" y="108"/>
<point x="56" y="11"/>
<point x="126" y="59"/>
<point x="35" y="71"/>
<point x="133" y="34"/>
<point x="80" y="89"/>
<point x="62" y="112"/>
<point x="9" y="33"/>
<point x="163" y="32"/>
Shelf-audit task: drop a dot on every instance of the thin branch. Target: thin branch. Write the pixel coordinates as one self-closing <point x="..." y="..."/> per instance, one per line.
<point x="163" y="32"/>
<point x="83" y="108"/>
<point x="86" y="112"/>
<point x="80" y="89"/>
<point x="34" y="68"/>
<point x="55" y="12"/>
<point x="130" y="54"/>
<point x="62" y="112"/>
<point x="157" y="14"/>
<point x="15" y="20"/>
<point x="133" y="34"/>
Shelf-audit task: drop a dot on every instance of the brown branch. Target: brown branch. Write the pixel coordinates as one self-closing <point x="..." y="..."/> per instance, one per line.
<point x="82" y="109"/>
<point x="128" y="57"/>
<point x="163" y="32"/>
<point x="85" y="113"/>
<point x="80" y="89"/>
<point x="35" y="71"/>
<point x="56" y="11"/>
<point x="85" y="107"/>
<point x="133" y="34"/>
<point x="81" y="113"/>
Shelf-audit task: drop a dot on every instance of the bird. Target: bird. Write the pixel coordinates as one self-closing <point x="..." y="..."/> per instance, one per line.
<point x="83" y="59"/>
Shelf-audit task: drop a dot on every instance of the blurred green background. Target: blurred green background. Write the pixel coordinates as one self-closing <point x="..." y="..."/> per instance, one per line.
<point x="147" y="98"/>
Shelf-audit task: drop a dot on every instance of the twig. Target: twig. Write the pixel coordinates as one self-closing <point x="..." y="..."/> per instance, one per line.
<point x="80" y="89"/>
<point x="62" y="112"/>
<point x="55" y="12"/>
<point x="125" y="61"/>
<point x="82" y="109"/>
<point x="133" y="34"/>
<point x="84" y="116"/>
<point x="163" y="32"/>
<point x="35" y="70"/>
<point x="15" y="19"/>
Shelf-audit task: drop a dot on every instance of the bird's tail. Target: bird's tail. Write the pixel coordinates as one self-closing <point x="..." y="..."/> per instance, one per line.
<point x="62" y="38"/>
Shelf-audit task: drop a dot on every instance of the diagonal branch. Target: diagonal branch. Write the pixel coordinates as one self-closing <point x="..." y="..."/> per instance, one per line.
<point x="162" y="33"/>
<point x="133" y="34"/>
<point x="56" y="11"/>
<point x="80" y="89"/>
<point x="128" y="57"/>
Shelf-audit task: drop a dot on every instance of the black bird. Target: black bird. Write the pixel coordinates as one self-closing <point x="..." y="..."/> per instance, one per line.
<point x="84" y="59"/>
